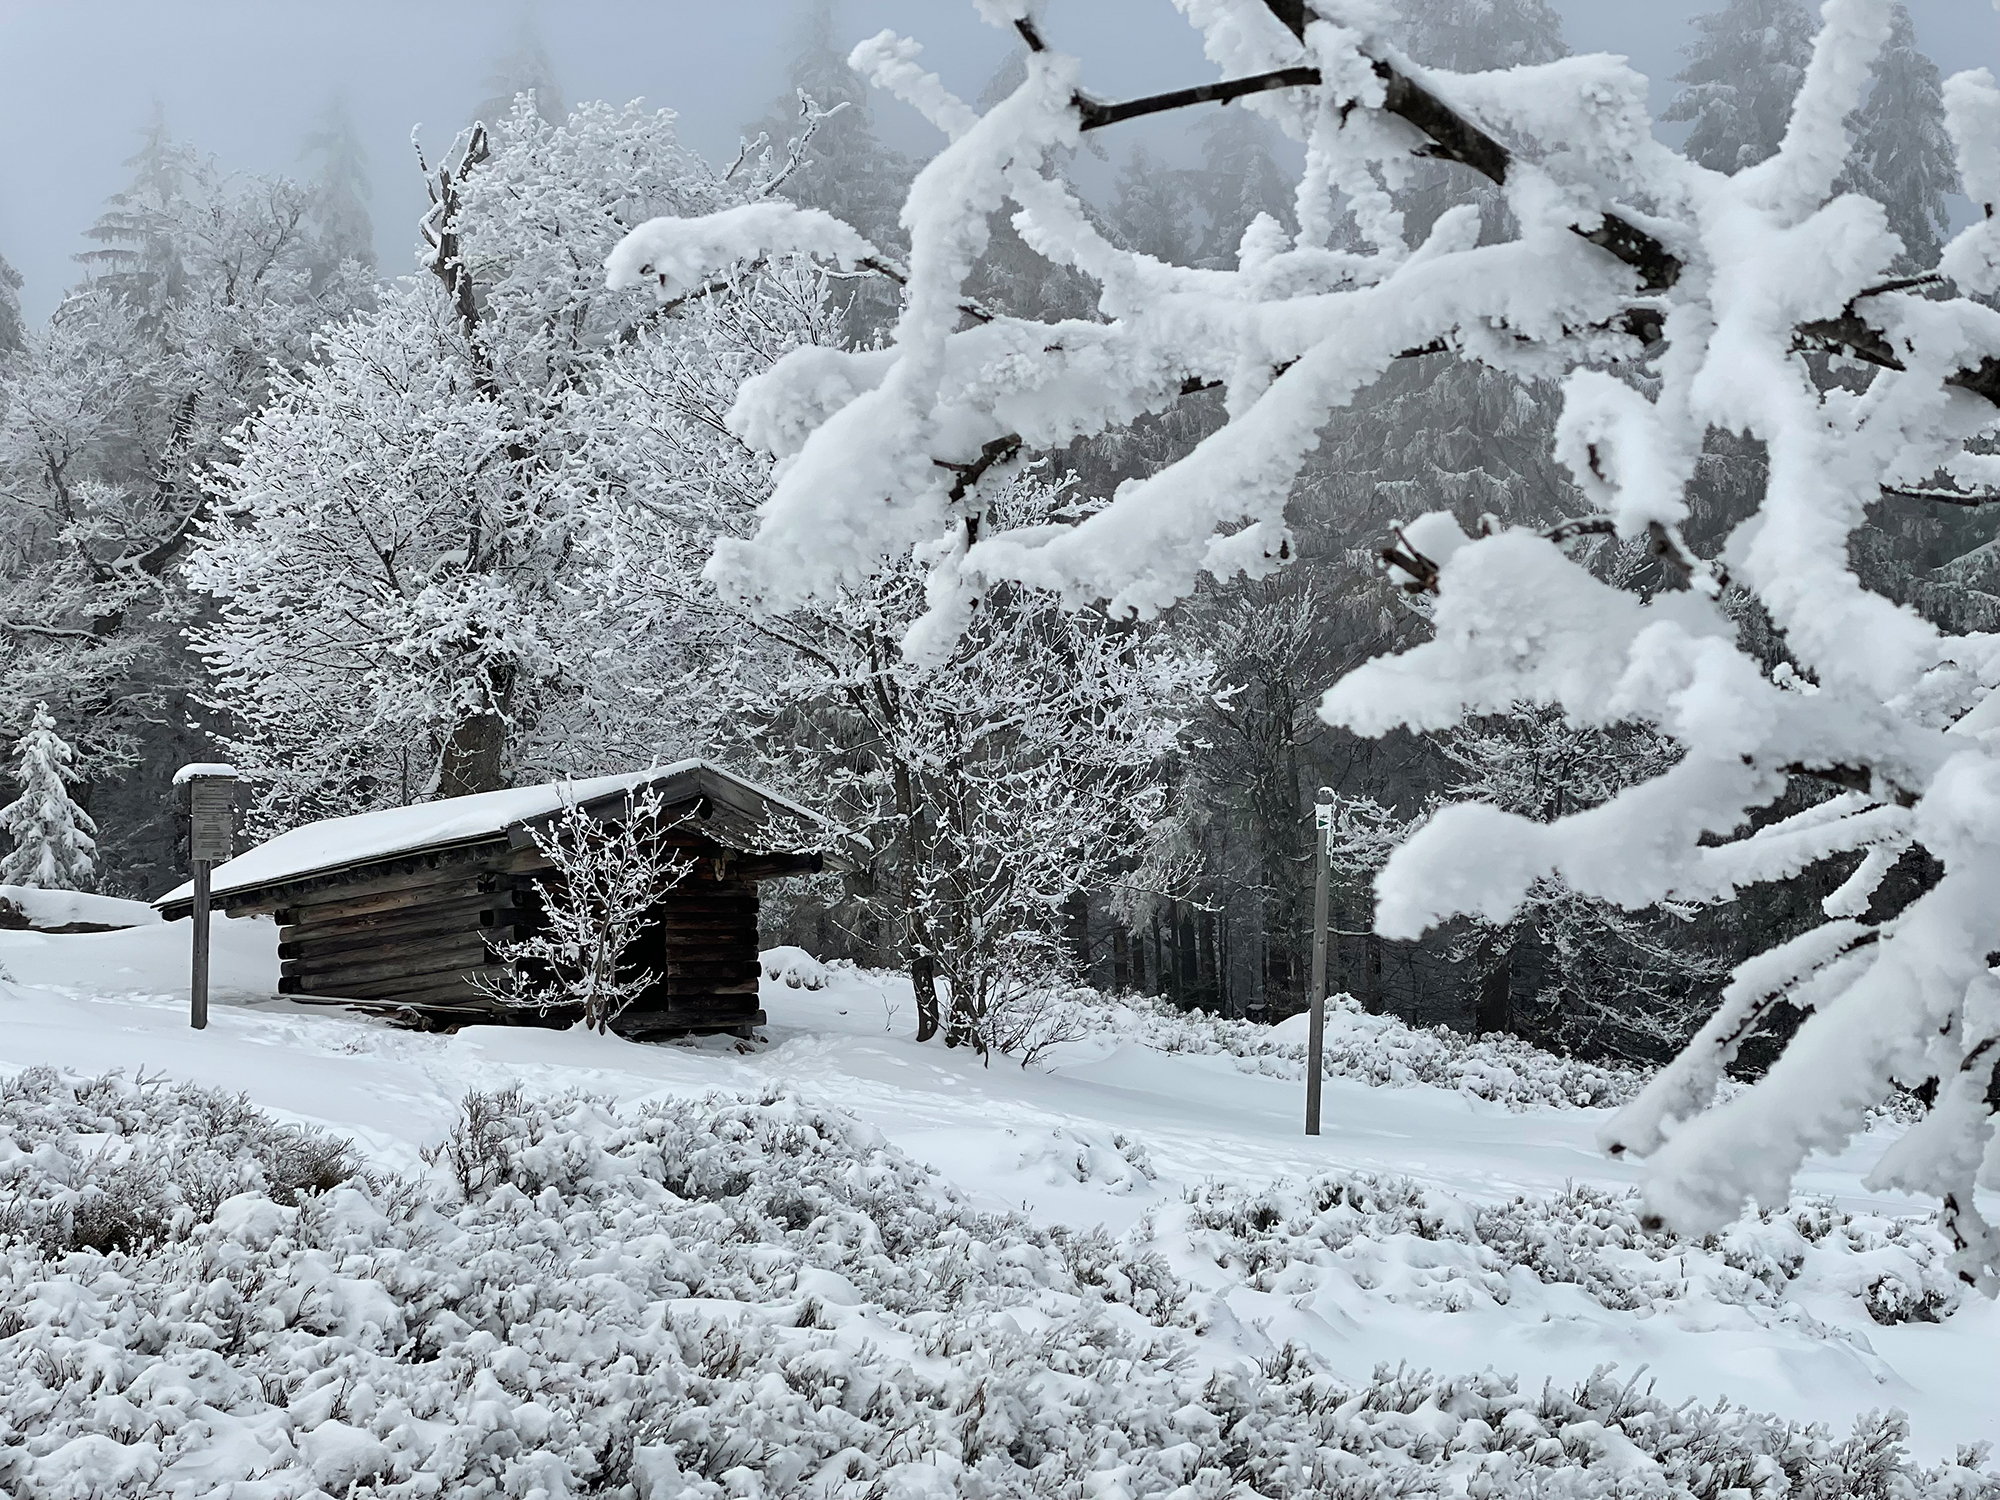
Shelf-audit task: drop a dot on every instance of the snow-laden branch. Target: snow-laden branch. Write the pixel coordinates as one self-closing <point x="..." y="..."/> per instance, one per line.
<point x="1617" y="258"/>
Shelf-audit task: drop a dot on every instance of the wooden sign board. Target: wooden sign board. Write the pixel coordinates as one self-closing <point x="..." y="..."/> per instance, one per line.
<point x="211" y="818"/>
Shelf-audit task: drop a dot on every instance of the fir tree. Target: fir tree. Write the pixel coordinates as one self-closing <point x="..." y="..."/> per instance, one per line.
<point x="1744" y="67"/>
<point x="13" y="334"/>
<point x="139" y="232"/>
<point x="1902" y="157"/>
<point x="340" y="191"/>
<point x="526" y="70"/>
<point x="53" y="847"/>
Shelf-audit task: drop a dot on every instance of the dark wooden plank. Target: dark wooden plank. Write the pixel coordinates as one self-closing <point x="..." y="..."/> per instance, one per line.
<point x="481" y="908"/>
<point x="391" y="873"/>
<point x="311" y="942"/>
<point x="338" y="970"/>
<point x="729" y="969"/>
<point x="455" y="981"/>
<point x="406" y="900"/>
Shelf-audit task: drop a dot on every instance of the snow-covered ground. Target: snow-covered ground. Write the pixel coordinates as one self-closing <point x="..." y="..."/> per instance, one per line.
<point x="1427" y="1227"/>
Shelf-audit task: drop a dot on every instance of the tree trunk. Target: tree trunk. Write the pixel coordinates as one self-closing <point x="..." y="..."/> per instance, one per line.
<point x="1121" y="960"/>
<point x="1076" y="929"/>
<point x="475" y="756"/>
<point x="1495" y="1011"/>
<point x="1371" y="998"/>
<point x="923" y="984"/>
<point x="1188" y="971"/>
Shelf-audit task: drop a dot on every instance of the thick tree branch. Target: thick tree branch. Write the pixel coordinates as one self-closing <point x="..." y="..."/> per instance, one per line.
<point x="1000" y="450"/>
<point x="1969" y="499"/>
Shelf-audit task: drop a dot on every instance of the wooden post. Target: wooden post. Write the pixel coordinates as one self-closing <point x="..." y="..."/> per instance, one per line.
<point x="211" y="803"/>
<point x="1316" y="1030"/>
<point x="198" y="988"/>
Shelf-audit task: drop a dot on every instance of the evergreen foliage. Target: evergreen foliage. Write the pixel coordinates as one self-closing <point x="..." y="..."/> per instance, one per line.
<point x="54" y="848"/>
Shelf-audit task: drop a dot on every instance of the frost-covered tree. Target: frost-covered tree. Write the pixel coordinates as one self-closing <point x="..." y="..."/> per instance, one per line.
<point x="406" y="566"/>
<point x="12" y="331"/>
<point x="597" y="900"/>
<point x="205" y="284"/>
<point x="54" y="847"/>
<point x="340" y="191"/>
<point x="1743" y="69"/>
<point x="1902" y="155"/>
<point x="1707" y="294"/>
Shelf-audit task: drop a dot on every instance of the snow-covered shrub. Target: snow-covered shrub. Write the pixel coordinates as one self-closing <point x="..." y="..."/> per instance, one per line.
<point x="1378" y="1050"/>
<point x="1412" y="1243"/>
<point x="794" y="968"/>
<point x="112" y="1163"/>
<point x="734" y="1297"/>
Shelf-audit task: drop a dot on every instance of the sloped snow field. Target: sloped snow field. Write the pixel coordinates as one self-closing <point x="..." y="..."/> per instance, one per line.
<point x="304" y="1253"/>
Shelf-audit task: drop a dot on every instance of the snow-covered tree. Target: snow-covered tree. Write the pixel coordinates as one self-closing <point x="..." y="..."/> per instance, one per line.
<point x="1708" y="291"/>
<point x="595" y="904"/>
<point x="340" y="191"/>
<point x="12" y="331"/>
<point x="1902" y="155"/>
<point x="398" y="567"/>
<point x="54" y="847"/>
<point x="1744" y="67"/>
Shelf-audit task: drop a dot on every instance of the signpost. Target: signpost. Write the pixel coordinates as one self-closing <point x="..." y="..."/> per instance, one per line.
<point x="211" y="805"/>
<point x="1316" y="1033"/>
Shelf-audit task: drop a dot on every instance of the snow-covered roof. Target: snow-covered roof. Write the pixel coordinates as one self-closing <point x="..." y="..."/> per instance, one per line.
<point x="342" y="843"/>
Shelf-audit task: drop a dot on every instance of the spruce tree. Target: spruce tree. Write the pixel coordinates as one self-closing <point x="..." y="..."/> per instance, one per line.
<point x="53" y="844"/>
<point x="340" y="192"/>
<point x="1902" y="157"/>
<point x="1744" y="67"/>
<point x="13" y="334"/>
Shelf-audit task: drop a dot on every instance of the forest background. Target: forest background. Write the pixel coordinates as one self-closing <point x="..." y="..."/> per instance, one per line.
<point x="1071" y="795"/>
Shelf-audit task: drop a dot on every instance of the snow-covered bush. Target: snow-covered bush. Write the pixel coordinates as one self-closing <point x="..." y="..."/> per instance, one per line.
<point x="731" y="1297"/>
<point x="599" y="897"/>
<point x="1416" y="1244"/>
<point x="115" y="1164"/>
<point x="1378" y="1050"/>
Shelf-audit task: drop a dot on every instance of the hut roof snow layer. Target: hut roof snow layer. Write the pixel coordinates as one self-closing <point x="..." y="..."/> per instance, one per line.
<point x="340" y="843"/>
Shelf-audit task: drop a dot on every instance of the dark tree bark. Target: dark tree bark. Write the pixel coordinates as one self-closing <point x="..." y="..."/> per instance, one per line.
<point x="1495" y="1011"/>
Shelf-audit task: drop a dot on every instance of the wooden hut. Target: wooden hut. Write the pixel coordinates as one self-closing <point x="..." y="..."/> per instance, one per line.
<point x="397" y="911"/>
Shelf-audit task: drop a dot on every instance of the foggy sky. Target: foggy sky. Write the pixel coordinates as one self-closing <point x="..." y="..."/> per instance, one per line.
<point x="247" y="81"/>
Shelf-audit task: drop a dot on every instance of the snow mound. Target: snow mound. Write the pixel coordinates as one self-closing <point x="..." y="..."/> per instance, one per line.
<point x="53" y="911"/>
<point x="794" y="967"/>
<point x="1110" y="1159"/>
<point x="730" y="1296"/>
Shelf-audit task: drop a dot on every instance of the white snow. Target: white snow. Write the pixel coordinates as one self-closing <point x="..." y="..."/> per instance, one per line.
<point x="334" y="843"/>
<point x="1428" y="1225"/>
<point x="45" y="908"/>
<point x="203" y="768"/>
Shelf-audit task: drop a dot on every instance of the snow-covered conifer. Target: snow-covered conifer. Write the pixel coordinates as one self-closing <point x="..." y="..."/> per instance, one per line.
<point x="52" y="837"/>
<point x="1743" y="69"/>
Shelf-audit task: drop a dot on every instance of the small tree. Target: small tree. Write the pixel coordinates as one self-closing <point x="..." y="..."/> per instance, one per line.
<point x="607" y="880"/>
<point x="53" y="844"/>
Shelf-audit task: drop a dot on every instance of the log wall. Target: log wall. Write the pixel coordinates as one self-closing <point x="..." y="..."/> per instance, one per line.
<point x="414" y="935"/>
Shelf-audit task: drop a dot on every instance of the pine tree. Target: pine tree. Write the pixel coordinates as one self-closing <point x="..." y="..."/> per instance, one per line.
<point x="140" y="259"/>
<point x="12" y="332"/>
<point x="53" y="847"/>
<point x="1744" y="67"/>
<point x="1902" y="157"/>
<point x="528" y="69"/>
<point x="340" y="191"/>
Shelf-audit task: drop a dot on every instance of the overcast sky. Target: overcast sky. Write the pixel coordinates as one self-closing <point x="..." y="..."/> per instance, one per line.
<point x="246" y="79"/>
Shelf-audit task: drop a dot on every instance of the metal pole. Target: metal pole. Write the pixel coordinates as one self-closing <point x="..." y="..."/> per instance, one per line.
<point x="198" y="994"/>
<point x="1316" y="1032"/>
